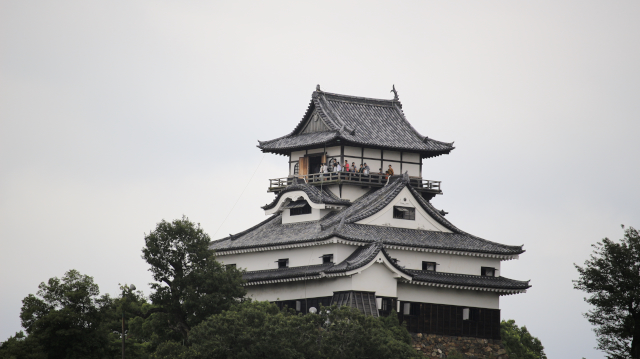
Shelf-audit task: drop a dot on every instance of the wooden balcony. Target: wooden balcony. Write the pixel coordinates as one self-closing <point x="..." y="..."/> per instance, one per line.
<point x="428" y="188"/>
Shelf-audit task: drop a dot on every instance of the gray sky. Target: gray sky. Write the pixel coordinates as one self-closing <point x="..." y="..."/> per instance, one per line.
<point x="115" y="115"/>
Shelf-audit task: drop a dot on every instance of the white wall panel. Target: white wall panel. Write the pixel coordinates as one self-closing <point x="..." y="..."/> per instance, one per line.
<point x="391" y="155"/>
<point x="298" y="257"/>
<point x="448" y="263"/>
<point x="410" y="157"/>
<point x="425" y="294"/>
<point x="333" y="151"/>
<point x="372" y="153"/>
<point x="414" y="170"/>
<point x="352" y="151"/>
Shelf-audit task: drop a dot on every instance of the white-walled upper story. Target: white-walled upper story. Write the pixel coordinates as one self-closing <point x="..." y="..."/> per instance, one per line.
<point x="401" y="162"/>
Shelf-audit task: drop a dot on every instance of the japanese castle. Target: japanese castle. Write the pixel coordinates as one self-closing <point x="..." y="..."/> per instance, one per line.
<point x="367" y="239"/>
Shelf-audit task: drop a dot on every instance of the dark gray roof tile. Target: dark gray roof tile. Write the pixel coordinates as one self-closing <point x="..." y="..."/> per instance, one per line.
<point x="359" y="121"/>
<point x="467" y="280"/>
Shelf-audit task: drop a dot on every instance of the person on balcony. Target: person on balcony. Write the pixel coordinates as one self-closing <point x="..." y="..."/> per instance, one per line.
<point x="366" y="170"/>
<point x="353" y="167"/>
<point x="380" y="171"/>
<point x="346" y="166"/>
<point x="390" y="171"/>
<point x="337" y="167"/>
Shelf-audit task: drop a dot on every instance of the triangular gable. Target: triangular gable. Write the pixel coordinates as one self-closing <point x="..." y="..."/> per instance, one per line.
<point x="404" y="199"/>
<point x="314" y="124"/>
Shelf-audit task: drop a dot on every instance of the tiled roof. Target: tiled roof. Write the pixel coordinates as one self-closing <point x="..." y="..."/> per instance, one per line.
<point x="359" y="258"/>
<point x="359" y="121"/>
<point x="467" y="280"/>
<point x="364" y="255"/>
<point x="314" y="193"/>
<point x="341" y="224"/>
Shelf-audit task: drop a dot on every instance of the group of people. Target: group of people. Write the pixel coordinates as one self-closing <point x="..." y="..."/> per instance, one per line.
<point x="335" y="166"/>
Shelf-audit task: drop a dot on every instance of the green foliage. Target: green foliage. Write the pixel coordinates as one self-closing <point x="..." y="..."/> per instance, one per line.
<point x="20" y="346"/>
<point x="519" y="343"/>
<point x="63" y="320"/>
<point x="612" y="277"/>
<point x="190" y="285"/>
<point x="132" y="303"/>
<point x="261" y="330"/>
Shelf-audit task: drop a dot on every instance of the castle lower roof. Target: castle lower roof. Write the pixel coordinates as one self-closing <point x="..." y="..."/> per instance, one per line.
<point x="342" y="224"/>
<point x="365" y="254"/>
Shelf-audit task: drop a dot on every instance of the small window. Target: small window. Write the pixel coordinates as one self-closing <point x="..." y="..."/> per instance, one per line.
<point x="327" y="258"/>
<point x="430" y="266"/>
<point x="229" y="266"/>
<point x="465" y="314"/>
<point x="488" y="272"/>
<point x="283" y="263"/>
<point x="404" y="213"/>
<point x="304" y="209"/>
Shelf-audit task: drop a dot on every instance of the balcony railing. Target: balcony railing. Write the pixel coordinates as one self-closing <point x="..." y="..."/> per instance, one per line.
<point x="375" y="180"/>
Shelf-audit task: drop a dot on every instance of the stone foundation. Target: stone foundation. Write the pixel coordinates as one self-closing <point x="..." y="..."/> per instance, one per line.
<point x="439" y="346"/>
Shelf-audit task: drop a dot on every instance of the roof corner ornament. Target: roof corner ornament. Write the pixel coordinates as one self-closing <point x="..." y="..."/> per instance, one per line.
<point x="443" y="213"/>
<point x="318" y="88"/>
<point x="395" y="93"/>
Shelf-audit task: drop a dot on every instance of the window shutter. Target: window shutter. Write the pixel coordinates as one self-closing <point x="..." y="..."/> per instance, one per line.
<point x="303" y="166"/>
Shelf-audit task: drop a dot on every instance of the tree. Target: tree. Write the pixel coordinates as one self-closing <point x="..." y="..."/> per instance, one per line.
<point x="261" y="330"/>
<point x="519" y="343"/>
<point x="190" y="284"/>
<point x="612" y="277"/>
<point x="63" y="319"/>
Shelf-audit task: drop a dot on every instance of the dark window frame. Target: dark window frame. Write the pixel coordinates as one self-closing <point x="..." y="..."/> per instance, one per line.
<point x="425" y="265"/>
<point x="327" y="258"/>
<point x="484" y="271"/>
<point x="283" y="263"/>
<point x="306" y="209"/>
<point x="407" y="213"/>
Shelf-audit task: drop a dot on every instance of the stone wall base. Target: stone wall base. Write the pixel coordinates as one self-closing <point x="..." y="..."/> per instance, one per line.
<point x="441" y="346"/>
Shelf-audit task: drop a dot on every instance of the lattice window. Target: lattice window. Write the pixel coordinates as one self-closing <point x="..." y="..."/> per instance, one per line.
<point x="404" y="213"/>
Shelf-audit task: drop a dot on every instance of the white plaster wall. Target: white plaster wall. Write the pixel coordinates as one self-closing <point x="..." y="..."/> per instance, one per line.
<point x="299" y="289"/>
<point x="316" y="150"/>
<point x="352" y="151"/>
<point x="298" y="257"/>
<point x="391" y="155"/>
<point x="448" y="263"/>
<point x="411" y="157"/>
<point x="422" y="221"/>
<point x="470" y="298"/>
<point x="395" y="165"/>
<point x="377" y="278"/>
<point x="333" y="151"/>
<point x="372" y="153"/>
<point x="352" y="192"/>
<point x="295" y="155"/>
<point x="291" y="167"/>
<point x="315" y="215"/>
<point x="414" y="170"/>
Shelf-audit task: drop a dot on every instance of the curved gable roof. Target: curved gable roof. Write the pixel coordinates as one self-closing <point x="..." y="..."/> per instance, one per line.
<point x="360" y="121"/>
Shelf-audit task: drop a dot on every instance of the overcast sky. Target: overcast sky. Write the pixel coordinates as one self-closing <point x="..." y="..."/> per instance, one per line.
<point x="116" y="115"/>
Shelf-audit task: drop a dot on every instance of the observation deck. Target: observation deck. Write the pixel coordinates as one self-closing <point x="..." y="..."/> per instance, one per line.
<point x="428" y="188"/>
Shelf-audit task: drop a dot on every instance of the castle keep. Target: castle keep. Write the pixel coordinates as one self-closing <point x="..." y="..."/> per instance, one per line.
<point x="368" y="239"/>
